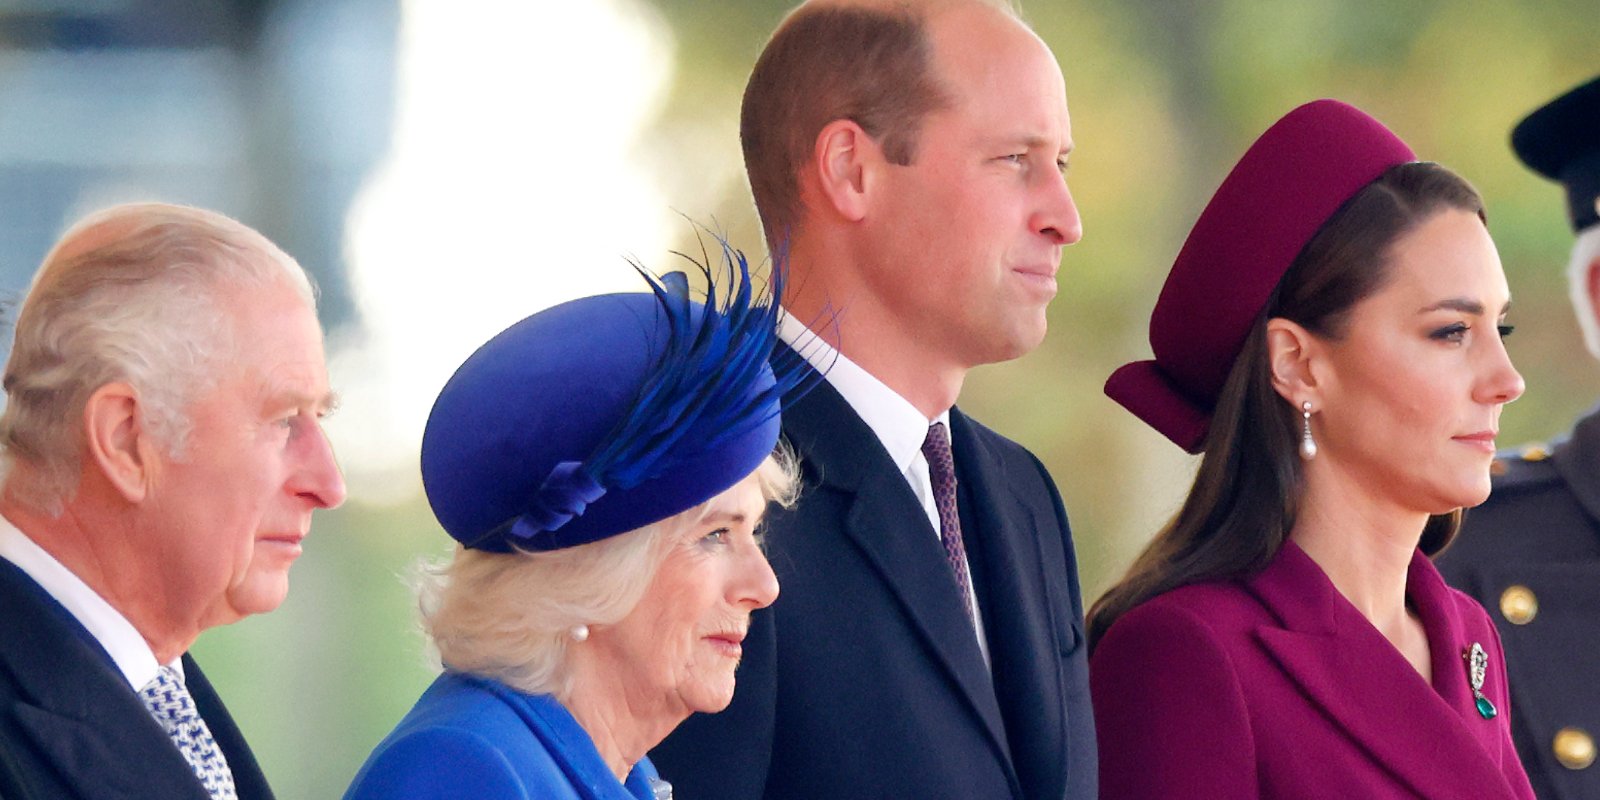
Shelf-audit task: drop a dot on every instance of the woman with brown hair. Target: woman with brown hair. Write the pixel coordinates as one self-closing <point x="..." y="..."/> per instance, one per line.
<point x="1330" y="337"/>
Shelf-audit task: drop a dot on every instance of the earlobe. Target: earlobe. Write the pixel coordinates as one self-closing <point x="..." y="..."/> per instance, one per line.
<point x="115" y="441"/>
<point x="1290" y="351"/>
<point x="840" y="160"/>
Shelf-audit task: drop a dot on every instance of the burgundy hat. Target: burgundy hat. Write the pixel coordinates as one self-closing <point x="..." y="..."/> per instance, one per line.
<point x="1286" y="186"/>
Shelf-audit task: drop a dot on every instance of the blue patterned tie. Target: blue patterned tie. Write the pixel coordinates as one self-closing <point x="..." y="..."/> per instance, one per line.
<point x="169" y="702"/>
<point x="942" y="473"/>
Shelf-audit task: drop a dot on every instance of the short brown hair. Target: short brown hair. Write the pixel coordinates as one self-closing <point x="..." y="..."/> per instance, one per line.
<point x="873" y="66"/>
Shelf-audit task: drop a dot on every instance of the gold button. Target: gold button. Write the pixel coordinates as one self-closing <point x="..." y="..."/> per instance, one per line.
<point x="1519" y="605"/>
<point x="1535" y="452"/>
<point x="1574" y="748"/>
<point x="1497" y="467"/>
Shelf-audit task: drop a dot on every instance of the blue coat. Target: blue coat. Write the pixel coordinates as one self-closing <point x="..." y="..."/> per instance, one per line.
<point x="864" y="680"/>
<point x="470" y="737"/>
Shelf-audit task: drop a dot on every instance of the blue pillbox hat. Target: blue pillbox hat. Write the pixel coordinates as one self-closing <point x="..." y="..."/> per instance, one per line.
<point x="605" y="414"/>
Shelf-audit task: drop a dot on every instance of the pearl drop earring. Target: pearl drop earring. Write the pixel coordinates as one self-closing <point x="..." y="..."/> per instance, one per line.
<point x="579" y="632"/>
<point x="1308" y="444"/>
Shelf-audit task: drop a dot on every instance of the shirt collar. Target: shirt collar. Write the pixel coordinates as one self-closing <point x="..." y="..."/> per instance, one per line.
<point x="127" y="648"/>
<point x="896" y="422"/>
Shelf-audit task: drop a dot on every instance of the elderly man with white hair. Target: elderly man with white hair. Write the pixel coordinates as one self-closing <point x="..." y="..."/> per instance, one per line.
<point x="1531" y="554"/>
<point x="163" y="455"/>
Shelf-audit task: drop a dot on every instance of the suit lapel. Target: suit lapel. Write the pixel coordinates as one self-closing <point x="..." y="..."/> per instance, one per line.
<point x="78" y="710"/>
<point x="887" y="524"/>
<point x="1348" y="669"/>
<point x="248" y="780"/>
<point x="1003" y="544"/>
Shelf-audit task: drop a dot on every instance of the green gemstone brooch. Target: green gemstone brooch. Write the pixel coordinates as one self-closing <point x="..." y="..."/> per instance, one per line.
<point x="1477" y="667"/>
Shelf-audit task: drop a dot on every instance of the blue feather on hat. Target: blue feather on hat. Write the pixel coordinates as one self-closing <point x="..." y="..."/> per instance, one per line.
<point x="707" y="383"/>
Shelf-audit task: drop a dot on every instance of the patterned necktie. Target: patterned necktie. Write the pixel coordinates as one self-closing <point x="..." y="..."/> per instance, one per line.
<point x="942" y="471"/>
<point x="169" y="702"/>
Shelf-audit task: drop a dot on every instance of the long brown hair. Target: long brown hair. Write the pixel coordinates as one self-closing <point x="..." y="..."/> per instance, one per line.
<point x="1245" y="495"/>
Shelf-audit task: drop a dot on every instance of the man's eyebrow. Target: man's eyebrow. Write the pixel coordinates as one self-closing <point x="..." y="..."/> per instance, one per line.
<point x="324" y="404"/>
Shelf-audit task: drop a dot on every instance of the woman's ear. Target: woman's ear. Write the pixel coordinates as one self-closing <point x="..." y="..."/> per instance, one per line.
<point x="115" y="441"/>
<point x="1291" y="350"/>
<point x="841" y="162"/>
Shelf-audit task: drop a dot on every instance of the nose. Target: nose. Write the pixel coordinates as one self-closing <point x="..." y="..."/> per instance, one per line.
<point x="1501" y="382"/>
<point x="318" y="478"/>
<point x="756" y="585"/>
<point x="1056" y="217"/>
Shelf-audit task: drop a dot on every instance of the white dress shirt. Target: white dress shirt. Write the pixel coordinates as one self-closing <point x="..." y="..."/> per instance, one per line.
<point x="899" y="426"/>
<point x="129" y="650"/>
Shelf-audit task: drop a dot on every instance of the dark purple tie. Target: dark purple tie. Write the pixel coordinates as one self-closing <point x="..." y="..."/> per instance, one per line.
<point x="942" y="471"/>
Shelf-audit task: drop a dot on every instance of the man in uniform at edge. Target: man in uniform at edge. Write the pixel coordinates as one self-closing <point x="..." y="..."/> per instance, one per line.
<point x="1532" y="552"/>
<point x="163" y="455"/>
<point x="908" y="158"/>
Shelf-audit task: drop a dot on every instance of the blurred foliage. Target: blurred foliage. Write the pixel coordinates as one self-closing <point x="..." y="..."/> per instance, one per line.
<point x="1164" y="95"/>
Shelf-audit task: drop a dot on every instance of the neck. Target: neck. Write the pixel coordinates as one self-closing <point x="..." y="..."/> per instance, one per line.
<point x="104" y="552"/>
<point x="1365" y="548"/>
<point x="623" y="728"/>
<point x="855" y="321"/>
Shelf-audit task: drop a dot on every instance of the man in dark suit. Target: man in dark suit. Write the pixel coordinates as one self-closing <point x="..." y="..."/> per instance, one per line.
<point x="1532" y="552"/>
<point x="163" y="454"/>
<point x="908" y="160"/>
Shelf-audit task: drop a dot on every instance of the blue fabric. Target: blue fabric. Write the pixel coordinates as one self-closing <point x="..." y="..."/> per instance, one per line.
<point x="468" y="737"/>
<point x="605" y="414"/>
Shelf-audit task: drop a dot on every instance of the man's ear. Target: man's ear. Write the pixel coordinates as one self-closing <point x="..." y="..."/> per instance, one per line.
<point x="115" y="440"/>
<point x="1291" y="353"/>
<point x="840" y="164"/>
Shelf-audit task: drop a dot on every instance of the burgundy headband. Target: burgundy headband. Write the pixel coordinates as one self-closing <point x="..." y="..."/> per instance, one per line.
<point x="1295" y="176"/>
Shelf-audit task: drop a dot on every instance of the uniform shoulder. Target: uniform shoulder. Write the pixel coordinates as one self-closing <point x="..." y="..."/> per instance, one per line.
<point x="1523" y="469"/>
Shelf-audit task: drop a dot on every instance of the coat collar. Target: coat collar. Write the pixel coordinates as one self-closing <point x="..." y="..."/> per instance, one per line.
<point x="1361" y="681"/>
<point x="887" y="524"/>
<point x="77" y="708"/>
<point x="568" y="744"/>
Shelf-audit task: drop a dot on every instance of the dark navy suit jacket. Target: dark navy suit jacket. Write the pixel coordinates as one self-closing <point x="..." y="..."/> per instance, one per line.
<point x="865" y="679"/>
<point x="72" y="729"/>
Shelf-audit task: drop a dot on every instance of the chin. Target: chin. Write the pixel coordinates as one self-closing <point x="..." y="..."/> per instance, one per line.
<point x="260" y="595"/>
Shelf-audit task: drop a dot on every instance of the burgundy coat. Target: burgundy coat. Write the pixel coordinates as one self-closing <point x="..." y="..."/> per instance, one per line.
<point x="1277" y="687"/>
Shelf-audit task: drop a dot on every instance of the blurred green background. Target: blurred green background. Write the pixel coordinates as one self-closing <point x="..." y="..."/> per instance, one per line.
<point x="462" y="122"/>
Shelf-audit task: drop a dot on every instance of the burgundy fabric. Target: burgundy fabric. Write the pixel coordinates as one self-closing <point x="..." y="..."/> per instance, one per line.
<point x="1277" y="687"/>
<point x="942" y="473"/>
<point x="1283" y="189"/>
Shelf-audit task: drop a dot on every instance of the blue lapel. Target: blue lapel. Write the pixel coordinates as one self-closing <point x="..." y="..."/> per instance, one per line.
<point x="571" y="746"/>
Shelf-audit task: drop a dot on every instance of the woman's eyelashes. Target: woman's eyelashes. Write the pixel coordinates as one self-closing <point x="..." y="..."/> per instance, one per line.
<point x="1456" y="332"/>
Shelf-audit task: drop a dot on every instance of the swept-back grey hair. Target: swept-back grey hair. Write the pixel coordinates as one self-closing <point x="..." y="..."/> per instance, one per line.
<point x="508" y="616"/>
<point x="138" y="293"/>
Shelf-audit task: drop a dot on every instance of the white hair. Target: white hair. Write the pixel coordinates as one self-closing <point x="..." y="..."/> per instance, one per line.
<point x="137" y="293"/>
<point x="508" y="616"/>
<point x="1584" y="252"/>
